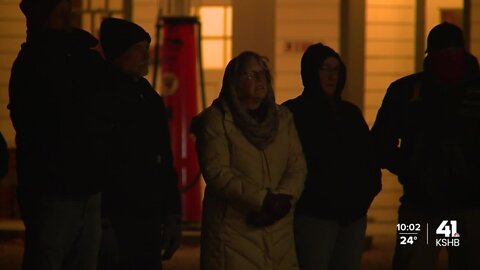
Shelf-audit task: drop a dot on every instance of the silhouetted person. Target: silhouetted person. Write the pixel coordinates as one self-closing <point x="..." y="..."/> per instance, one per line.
<point x="428" y="133"/>
<point x="343" y="176"/>
<point x="254" y="170"/>
<point x="59" y="152"/>
<point x="141" y="201"/>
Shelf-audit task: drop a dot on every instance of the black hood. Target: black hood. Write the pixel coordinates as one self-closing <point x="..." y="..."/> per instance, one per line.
<point x="312" y="59"/>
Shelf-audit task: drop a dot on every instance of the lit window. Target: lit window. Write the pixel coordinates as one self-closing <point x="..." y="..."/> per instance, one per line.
<point x="216" y="22"/>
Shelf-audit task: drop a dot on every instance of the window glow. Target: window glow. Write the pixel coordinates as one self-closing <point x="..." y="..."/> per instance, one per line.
<point x="212" y="51"/>
<point x="216" y="22"/>
<point x="213" y="21"/>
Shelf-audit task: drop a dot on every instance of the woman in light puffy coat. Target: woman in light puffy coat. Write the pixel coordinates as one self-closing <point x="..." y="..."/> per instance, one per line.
<point x="253" y="165"/>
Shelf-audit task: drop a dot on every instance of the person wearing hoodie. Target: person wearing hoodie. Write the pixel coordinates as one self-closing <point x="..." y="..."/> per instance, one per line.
<point x="60" y="150"/>
<point x="343" y="175"/>
<point x="427" y="132"/>
<point x="253" y="165"/>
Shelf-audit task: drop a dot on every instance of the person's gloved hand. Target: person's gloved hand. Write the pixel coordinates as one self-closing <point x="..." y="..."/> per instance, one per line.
<point x="274" y="208"/>
<point x="172" y="236"/>
<point x="278" y="205"/>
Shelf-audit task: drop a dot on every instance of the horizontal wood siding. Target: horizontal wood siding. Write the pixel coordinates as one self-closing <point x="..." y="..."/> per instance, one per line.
<point x="299" y="23"/>
<point x="475" y="28"/>
<point x="390" y="47"/>
<point x="389" y="55"/>
<point x="12" y="34"/>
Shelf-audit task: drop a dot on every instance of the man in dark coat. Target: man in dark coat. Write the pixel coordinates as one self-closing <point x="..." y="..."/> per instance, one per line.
<point x="427" y="132"/>
<point x="343" y="176"/>
<point x="59" y="147"/>
<point x="142" y="200"/>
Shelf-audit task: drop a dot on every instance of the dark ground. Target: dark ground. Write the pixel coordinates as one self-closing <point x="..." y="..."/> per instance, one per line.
<point x="377" y="257"/>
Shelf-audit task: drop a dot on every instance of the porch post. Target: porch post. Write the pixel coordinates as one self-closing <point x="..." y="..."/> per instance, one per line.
<point x="352" y="48"/>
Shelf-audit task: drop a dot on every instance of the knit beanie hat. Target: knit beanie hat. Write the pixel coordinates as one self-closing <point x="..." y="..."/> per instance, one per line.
<point x="444" y="35"/>
<point x="37" y="11"/>
<point x="117" y="35"/>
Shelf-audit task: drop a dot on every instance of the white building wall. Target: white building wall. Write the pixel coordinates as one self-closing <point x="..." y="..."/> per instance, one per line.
<point x="475" y="28"/>
<point x="389" y="55"/>
<point x="390" y="48"/>
<point x="300" y="23"/>
<point x="12" y="34"/>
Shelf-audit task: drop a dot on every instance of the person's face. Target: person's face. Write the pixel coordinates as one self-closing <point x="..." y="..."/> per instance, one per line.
<point x="328" y="75"/>
<point x="449" y="64"/>
<point x="252" y="88"/>
<point x="60" y="17"/>
<point x="135" y="60"/>
<point x="451" y="56"/>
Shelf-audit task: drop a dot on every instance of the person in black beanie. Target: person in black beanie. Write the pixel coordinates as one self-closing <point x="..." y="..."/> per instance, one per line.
<point x="426" y="132"/>
<point x="142" y="202"/>
<point x="60" y="148"/>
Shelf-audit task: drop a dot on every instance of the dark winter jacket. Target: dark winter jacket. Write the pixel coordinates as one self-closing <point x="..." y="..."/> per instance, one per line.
<point x="143" y="180"/>
<point x="53" y="79"/>
<point x="429" y="135"/>
<point x="343" y="177"/>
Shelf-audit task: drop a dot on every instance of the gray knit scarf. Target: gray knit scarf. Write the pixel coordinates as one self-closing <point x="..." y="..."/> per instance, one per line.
<point x="259" y="127"/>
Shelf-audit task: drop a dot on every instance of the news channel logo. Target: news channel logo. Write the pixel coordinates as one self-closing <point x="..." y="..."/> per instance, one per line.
<point x="446" y="234"/>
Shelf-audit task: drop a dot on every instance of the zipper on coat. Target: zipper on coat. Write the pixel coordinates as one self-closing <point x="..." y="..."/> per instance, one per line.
<point x="268" y="169"/>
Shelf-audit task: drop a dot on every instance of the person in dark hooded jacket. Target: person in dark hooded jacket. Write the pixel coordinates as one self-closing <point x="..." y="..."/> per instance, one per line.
<point x="59" y="146"/>
<point x="343" y="178"/>
<point x="427" y="132"/>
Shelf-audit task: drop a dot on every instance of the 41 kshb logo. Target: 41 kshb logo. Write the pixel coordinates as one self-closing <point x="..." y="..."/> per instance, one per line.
<point x="451" y="238"/>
